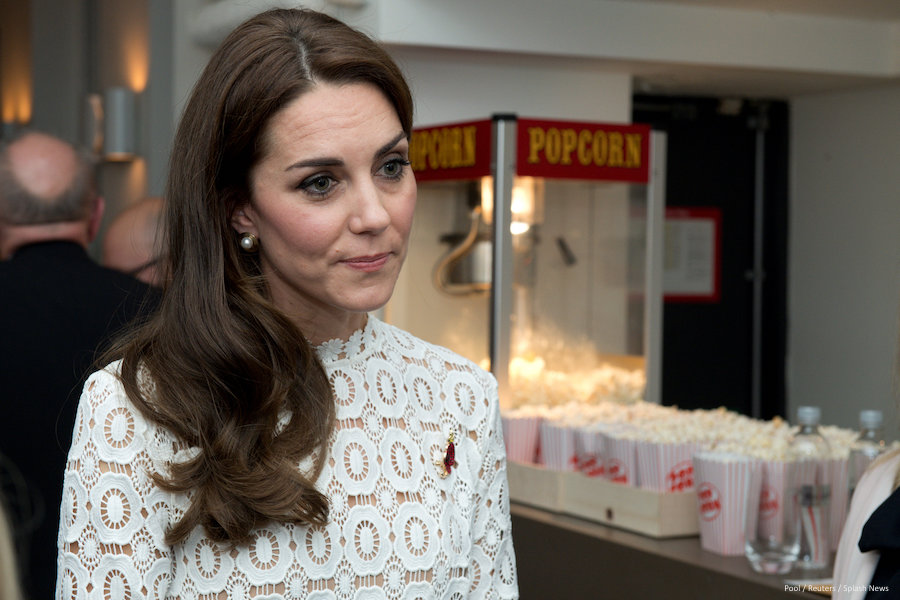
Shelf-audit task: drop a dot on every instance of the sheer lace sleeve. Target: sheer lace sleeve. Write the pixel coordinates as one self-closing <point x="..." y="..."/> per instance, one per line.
<point x="493" y="554"/>
<point x="113" y="518"/>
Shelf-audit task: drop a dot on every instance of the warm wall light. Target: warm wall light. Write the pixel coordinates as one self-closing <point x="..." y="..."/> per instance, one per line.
<point x="119" y="124"/>
<point x="15" y="66"/>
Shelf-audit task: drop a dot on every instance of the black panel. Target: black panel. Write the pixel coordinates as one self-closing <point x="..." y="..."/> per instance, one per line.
<point x="711" y="162"/>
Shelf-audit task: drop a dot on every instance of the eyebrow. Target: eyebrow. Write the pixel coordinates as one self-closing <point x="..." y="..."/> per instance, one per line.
<point x="336" y="162"/>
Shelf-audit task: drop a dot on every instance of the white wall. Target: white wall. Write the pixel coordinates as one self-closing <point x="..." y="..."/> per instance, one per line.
<point x="844" y="281"/>
<point x="458" y="85"/>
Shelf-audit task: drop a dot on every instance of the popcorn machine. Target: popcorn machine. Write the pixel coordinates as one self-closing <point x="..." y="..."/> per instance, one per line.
<point x="537" y="251"/>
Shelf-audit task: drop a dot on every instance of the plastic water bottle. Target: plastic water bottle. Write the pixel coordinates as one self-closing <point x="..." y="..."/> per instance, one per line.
<point x="867" y="446"/>
<point x="809" y="449"/>
<point x="808" y="443"/>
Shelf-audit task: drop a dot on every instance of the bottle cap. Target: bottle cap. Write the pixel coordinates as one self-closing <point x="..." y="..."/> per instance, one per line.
<point x="809" y="415"/>
<point x="870" y="419"/>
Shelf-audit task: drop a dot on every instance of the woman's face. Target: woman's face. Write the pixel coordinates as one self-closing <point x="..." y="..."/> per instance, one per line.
<point x="332" y="202"/>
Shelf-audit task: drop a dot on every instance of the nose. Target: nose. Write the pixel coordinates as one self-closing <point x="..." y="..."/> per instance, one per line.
<point x="370" y="214"/>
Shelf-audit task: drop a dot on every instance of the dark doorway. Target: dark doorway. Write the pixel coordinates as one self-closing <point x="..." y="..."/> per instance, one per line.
<point x="730" y="155"/>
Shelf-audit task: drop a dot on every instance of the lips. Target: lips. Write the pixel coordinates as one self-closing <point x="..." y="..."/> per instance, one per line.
<point x="367" y="264"/>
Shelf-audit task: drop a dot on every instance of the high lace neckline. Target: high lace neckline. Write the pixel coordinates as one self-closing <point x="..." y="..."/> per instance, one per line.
<point x="361" y="340"/>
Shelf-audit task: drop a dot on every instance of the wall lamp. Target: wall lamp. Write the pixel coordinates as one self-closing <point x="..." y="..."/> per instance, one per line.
<point x="119" y="124"/>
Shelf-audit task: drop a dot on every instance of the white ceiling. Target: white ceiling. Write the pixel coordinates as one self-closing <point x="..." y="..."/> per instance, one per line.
<point x="706" y="47"/>
<point x="711" y="80"/>
<point x="878" y="10"/>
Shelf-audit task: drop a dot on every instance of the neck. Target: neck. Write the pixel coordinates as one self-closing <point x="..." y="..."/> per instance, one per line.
<point x="319" y="330"/>
<point x="13" y="237"/>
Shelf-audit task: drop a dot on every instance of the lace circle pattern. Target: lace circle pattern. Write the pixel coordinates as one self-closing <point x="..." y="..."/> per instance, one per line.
<point x="397" y="529"/>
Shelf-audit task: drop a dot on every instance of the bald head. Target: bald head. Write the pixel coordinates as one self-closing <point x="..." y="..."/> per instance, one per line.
<point x="130" y="241"/>
<point x="44" y="180"/>
<point x="44" y="166"/>
<point x="46" y="193"/>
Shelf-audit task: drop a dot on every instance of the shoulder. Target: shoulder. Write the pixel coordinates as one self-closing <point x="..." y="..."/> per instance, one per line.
<point x="110" y="420"/>
<point x="888" y="464"/>
<point x="104" y="391"/>
<point x="431" y="355"/>
<point x="105" y="380"/>
<point x="104" y="406"/>
<point x="65" y="267"/>
<point x="878" y="480"/>
<point x="467" y="394"/>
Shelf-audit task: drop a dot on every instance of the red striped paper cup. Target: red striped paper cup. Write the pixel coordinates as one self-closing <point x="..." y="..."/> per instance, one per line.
<point x="727" y="486"/>
<point x="589" y="450"/>
<point x="620" y="457"/>
<point x="520" y="433"/>
<point x="558" y="446"/>
<point x="666" y="467"/>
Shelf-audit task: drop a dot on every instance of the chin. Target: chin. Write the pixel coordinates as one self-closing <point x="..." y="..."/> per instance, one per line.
<point x="370" y="307"/>
<point x="373" y="301"/>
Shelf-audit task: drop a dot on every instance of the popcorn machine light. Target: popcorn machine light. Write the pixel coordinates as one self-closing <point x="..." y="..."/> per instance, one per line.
<point x="537" y="250"/>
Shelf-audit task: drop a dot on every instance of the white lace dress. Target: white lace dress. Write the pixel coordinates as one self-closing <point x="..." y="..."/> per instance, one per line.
<point x="396" y="529"/>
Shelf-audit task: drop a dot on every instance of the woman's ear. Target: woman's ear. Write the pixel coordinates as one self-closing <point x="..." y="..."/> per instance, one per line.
<point x="241" y="219"/>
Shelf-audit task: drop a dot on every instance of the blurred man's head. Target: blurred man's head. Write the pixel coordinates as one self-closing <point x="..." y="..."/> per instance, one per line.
<point x="130" y="241"/>
<point x="47" y="193"/>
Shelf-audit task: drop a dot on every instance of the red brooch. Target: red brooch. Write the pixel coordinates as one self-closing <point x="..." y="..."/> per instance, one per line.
<point x="446" y="462"/>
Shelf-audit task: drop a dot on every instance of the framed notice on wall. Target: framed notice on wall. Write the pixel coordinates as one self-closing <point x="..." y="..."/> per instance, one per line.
<point x="692" y="263"/>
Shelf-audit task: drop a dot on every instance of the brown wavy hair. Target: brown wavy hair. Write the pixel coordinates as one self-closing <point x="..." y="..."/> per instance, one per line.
<point x="224" y="361"/>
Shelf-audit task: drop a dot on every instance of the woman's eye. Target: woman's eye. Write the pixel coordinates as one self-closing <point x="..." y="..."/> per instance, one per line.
<point x="393" y="169"/>
<point x="317" y="184"/>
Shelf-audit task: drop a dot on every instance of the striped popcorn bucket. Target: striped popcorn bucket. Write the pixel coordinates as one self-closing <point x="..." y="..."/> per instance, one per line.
<point x="727" y="488"/>
<point x="589" y="450"/>
<point x="521" y="436"/>
<point x="558" y="446"/>
<point x="620" y="458"/>
<point x="666" y="467"/>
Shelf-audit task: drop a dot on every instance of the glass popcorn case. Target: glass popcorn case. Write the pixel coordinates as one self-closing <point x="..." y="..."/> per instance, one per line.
<point x="536" y="252"/>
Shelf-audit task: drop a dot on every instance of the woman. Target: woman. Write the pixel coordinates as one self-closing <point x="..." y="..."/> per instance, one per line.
<point x="867" y="563"/>
<point x="262" y="437"/>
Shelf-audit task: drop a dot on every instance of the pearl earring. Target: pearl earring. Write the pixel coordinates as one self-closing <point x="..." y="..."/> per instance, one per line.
<point x="249" y="242"/>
